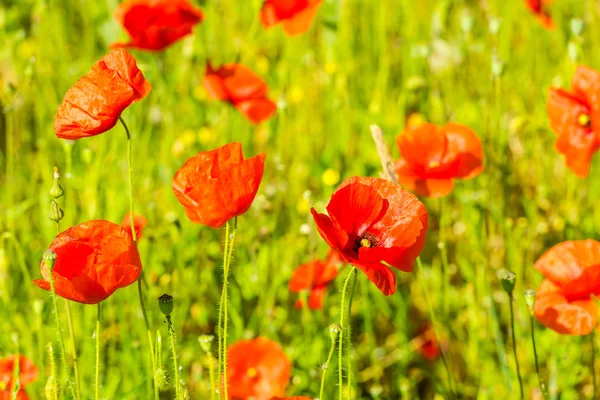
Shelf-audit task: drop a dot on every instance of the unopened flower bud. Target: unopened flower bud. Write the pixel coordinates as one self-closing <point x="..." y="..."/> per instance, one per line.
<point x="530" y="300"/>
<point x="334" y="331"/>
<point x="56" y="213"/>
<point x="56" y="191"/>
<point x="508" y="280"/>
<point x="165" y="302"/>
<point x="49" y="258"/>
<point x="206" y="342"/>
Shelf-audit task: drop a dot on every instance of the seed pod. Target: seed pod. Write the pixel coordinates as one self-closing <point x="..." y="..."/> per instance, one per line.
<point x="56" y="213"/>
<point x="165" y="302"/>
<point x="334" y="331"/>
<point x="56" y="191"/>
<point x="508" y="280"/>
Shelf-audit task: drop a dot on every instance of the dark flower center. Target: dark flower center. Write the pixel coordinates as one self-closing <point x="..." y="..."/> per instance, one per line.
<point x="368" y="240"/>
<point x="584" y="120"/>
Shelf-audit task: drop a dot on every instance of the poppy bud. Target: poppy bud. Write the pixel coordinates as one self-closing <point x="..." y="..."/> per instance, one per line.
<point x="56" y="213"/>
<point x="49" y="259"/>
<point x="530" y="300"/>
<point x="165" y="302"/>
<point x="206" y="342"/>
<point x="162" y="379"/>
<point x="56" y="191"/>
<point x="334" y="331"/>
<point x="508" y="280"/>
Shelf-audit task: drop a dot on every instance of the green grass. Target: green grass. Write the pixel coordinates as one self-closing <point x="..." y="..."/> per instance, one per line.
<point x="362" y="62"/>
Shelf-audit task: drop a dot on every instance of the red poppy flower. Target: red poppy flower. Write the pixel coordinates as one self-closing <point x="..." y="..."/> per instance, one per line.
<point x="372" y="221"/>
<point x="315" y="276"/>
<point x="28" y="373"/>
<point x="240" y="86"/>
<point x="292" y="398"/>
<point x="433" y="156"/>
<point x="563" y="301"/>
<point x="215" y="186"/>
<point x="156" y="24"/>
<point x="94" y="104"/>
<point x="295" y="15"/>
<point x="258" y="369"/>
<point x="575" y="118"/>
<point x="139" y="223"/>
<point x="428" y="346"/>
<point x="93" y="260"/>
<point x="541" y="11"/>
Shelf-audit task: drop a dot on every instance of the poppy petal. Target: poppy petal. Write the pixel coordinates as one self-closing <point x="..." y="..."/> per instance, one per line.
<point x="554" y="311"/>
<point x="465" y="148"/>
<point x="301" y="21"/>
<point x="381" y="276"/>
<point x="315" y="298"/>
<point x="268" y="15"/>
<point x="256" y="110"/>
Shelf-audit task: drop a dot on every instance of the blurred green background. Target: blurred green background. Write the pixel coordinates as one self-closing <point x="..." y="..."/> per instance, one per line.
<point x="362" y="62"/>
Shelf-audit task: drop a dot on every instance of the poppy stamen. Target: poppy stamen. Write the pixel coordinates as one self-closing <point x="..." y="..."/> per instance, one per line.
<point x="584" y="120"/>
<point x="252" y="373"/>
<point x="368" y="240"/>
<point x="434" y="164"/>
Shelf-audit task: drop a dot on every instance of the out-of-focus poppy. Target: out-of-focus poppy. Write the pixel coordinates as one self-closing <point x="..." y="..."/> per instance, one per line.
<point x="541" y="10"/>
<point x="156" y="24"/>
<point x="428" y="345"/>
<point x="292" y="398"/>
<point x="240" y="86"/>
<point x="94" y="104"/>
<point x="294" y="15"/>
<point x="139" y="223"/>
<point x="215" y="186"/>
<point x="433" y="156"/>
<point x="575" y="118"/>
<point x="564" y="300"/>
<point x="28" y="373"/>
<point x="372" y="221"/>
<point x="258" y="369"/>
<point x="93" y="260"/>
<point x="314" y="277"/>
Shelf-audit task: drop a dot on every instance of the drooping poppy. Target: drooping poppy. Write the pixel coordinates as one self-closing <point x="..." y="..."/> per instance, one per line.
<point x="433" y="156"/>
<point x="93" y="105"/>
<point x="93" y="260"/>
<point x="541" y="10"/>
<point x="156" y="24"/>
<point x="215" y="186"/>
<point x="428" y="346"/>
<point x="258" y="369"/>
<point x="139" y="223"/>
<point x="240" y="86"/>
<point x="564" y="300"/>
<point x="575" y="118"/>
<point x="294" y="15"/>
<point x="314" y="277"/>
<point x="28" y="373"/>
<point x="372" y="221"/>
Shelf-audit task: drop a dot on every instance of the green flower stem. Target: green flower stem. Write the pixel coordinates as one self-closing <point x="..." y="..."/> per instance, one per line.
<point x="433" y="319"/>
<point x="345" y="323"/>
<point x="230" y="229"/>
<point x="512" y="328"/>
<point x="174" y="354"/>
<point x="211" y="371"/>
<point x="592" y="339"/>
<point x="97" y="334"/>
<point x="134" y="234"/>
<point x="535" y="356"/>
<point x="326" y="368"/>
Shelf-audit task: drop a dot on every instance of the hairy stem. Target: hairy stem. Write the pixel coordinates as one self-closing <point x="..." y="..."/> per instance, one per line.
<point x="97" y="334"/>
<point x="512" y="328"/>
<point x="343" y="322"/>
<point x="326" y="368"/>
<point x="535" y="356"/>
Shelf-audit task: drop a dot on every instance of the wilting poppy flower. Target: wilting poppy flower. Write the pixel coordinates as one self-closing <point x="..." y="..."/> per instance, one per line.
<point x="315" y="276"/>
<point x="564" y="300"/>
<point x="28" y="373"/>
<point x="433" y="156"/>
<point x="156" y="24"/>
<point x="93" y="260"/>
<point x="215" y="186"/>
<point x="94" y="104"/>
<point x="575" y="118"/>
<point x="139" y="223"/>
<point x="541" y="11"/>
<point x="428" y="346"/>
<point x="295" y="15"/>
<point x="258" y="369"/>
<point x="372" y="221"/>
<point x="241" y="87"/>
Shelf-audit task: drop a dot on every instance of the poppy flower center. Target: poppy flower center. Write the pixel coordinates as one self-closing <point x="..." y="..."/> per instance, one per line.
<point x="252" y="373"/>
<point x="584" y="120"/>
<point x="368" y="240"/>
<point x="434" y="164"/>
